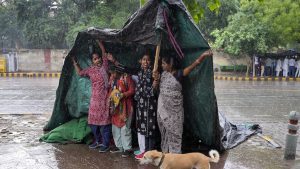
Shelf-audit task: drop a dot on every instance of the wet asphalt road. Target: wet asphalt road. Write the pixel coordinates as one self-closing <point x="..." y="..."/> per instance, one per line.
<point x="264" y="103"/>
<point x="26" y="105"/>
<point x="27" y="95"/>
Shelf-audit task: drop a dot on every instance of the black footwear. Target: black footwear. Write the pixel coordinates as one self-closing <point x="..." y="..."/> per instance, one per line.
<point x="94" y="145"/>
<point x="126" y="153"/>
<point x="103" y="149"/>
<point x="116" y="150"/>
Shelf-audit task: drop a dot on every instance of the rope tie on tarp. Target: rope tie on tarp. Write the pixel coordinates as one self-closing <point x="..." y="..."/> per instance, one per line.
<point x="172" y="38"/>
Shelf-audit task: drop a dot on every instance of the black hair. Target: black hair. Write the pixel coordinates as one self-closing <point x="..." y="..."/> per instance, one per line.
<point x="93" y="48"/>
<point x="96" y="54"/>
<point x="148" y="53"/>
<point x="171" y="60"/>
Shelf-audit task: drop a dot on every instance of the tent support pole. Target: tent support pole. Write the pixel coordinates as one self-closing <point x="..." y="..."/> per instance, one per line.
<point x="157" y="52"/>
<point x="156" y="58"/>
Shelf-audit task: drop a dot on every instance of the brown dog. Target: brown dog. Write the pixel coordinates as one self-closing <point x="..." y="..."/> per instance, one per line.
<point x="180" y="161"/>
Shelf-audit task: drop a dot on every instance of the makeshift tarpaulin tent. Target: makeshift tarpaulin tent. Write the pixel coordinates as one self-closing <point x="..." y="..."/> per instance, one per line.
<point x="158" y="22"/>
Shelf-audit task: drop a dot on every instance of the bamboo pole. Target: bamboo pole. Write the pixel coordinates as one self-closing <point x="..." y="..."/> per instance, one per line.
<point x="155" y="67"/>
<point x="157" y="52"/>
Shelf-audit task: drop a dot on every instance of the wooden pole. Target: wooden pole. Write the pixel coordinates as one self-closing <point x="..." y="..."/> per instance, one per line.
<point x="157" y="52"/>
<point x="156" y="58"/>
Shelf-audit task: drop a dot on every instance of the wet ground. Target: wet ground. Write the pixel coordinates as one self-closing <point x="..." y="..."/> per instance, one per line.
<point x="26" y="105"/>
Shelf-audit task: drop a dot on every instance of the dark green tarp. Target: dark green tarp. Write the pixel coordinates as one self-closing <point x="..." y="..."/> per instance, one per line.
<point x="74" y="131"/>
<point x="142" y="32"/>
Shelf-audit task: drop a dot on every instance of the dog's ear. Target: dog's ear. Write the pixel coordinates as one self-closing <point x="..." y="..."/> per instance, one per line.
<point x="155" y="154"/>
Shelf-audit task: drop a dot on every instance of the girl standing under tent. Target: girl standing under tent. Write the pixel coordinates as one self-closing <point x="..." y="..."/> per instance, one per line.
<point x="146" y="115"/>
<point x="170" y="113"/>
<point x="98" y="117"/>
<point x="121" y="98"/>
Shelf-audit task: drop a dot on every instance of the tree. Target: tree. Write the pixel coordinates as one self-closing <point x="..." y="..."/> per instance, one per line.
<point x="259" y="26"/>
<point x="108" y="14"/>
<point x="43" y="26"/>
<point x="53" y="23"/>
<point x="243" y="35"/>
<point x="217" y="20"/>
<point x="11" y="35"/>
<point x="282" y="17"/>
<point x="197" y="7"/>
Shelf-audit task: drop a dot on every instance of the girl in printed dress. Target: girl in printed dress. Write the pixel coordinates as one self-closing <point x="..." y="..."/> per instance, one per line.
<point x="98" y="117"/>
<point x="146" y="116"/>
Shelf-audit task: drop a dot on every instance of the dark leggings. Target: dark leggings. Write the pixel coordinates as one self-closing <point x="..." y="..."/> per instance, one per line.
<point x="150" y="143"/>
<point x="104" y="131"/>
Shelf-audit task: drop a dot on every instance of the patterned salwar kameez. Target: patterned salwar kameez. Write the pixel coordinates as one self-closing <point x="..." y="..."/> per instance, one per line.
<point x="170" y="112"/>
<point x="146" y="110"/>
<point x="98" y="117"/>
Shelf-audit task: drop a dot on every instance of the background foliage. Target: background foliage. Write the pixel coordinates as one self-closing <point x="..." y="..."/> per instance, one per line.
<point x="259" y="27"/>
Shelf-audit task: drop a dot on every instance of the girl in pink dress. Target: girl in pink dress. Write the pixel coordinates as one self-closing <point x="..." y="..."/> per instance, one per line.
<point x="98" y="117"/>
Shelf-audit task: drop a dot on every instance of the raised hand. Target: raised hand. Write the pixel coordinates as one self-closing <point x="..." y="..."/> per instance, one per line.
<point x="188" y="69"/>
<point x="110" y="57"/>
<point x="76" y="65"/>
<point x="101" y="46"/>
<point x="155" y="75"/>
<point x="203" y="55"/>
<point x="73" y="60"/>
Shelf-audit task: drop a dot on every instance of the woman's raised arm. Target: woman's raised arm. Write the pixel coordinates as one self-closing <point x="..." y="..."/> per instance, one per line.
<point x="188" y="69"/>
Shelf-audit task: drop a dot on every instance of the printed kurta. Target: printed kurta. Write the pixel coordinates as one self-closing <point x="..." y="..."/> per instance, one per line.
<point x="99" y="107"/>
<point x="170" y="113"/>
<point x="146" y="115"/>
<point x="124" y="110"/>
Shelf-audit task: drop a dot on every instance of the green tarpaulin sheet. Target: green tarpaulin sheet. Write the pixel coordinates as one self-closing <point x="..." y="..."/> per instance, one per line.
<point x="74" y="131"/>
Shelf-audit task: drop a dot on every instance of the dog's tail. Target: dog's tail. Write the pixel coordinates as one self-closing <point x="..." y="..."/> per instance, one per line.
<point x="214" y="156"/>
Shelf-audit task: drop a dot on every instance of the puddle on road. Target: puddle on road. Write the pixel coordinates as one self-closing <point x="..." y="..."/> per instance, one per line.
<point x="20" y="156"/>
<point x="20" y="128"/>
<point x="19" y="143"/>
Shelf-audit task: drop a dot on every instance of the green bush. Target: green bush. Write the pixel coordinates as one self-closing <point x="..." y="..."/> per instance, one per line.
<point x="237" y="68"/>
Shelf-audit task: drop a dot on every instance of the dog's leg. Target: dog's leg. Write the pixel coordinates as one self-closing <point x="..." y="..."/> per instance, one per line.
<point x="162" y="167"/>
<point x="165" y="167"/>
<point x="197" y="166"/>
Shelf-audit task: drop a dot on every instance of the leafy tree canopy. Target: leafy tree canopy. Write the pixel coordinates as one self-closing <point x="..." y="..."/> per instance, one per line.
<point x="257" y="27"/>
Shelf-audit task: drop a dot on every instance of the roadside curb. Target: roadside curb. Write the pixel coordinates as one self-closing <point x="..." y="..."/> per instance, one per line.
<point x="237" y="78"/>
<point x="31" y="74"/>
